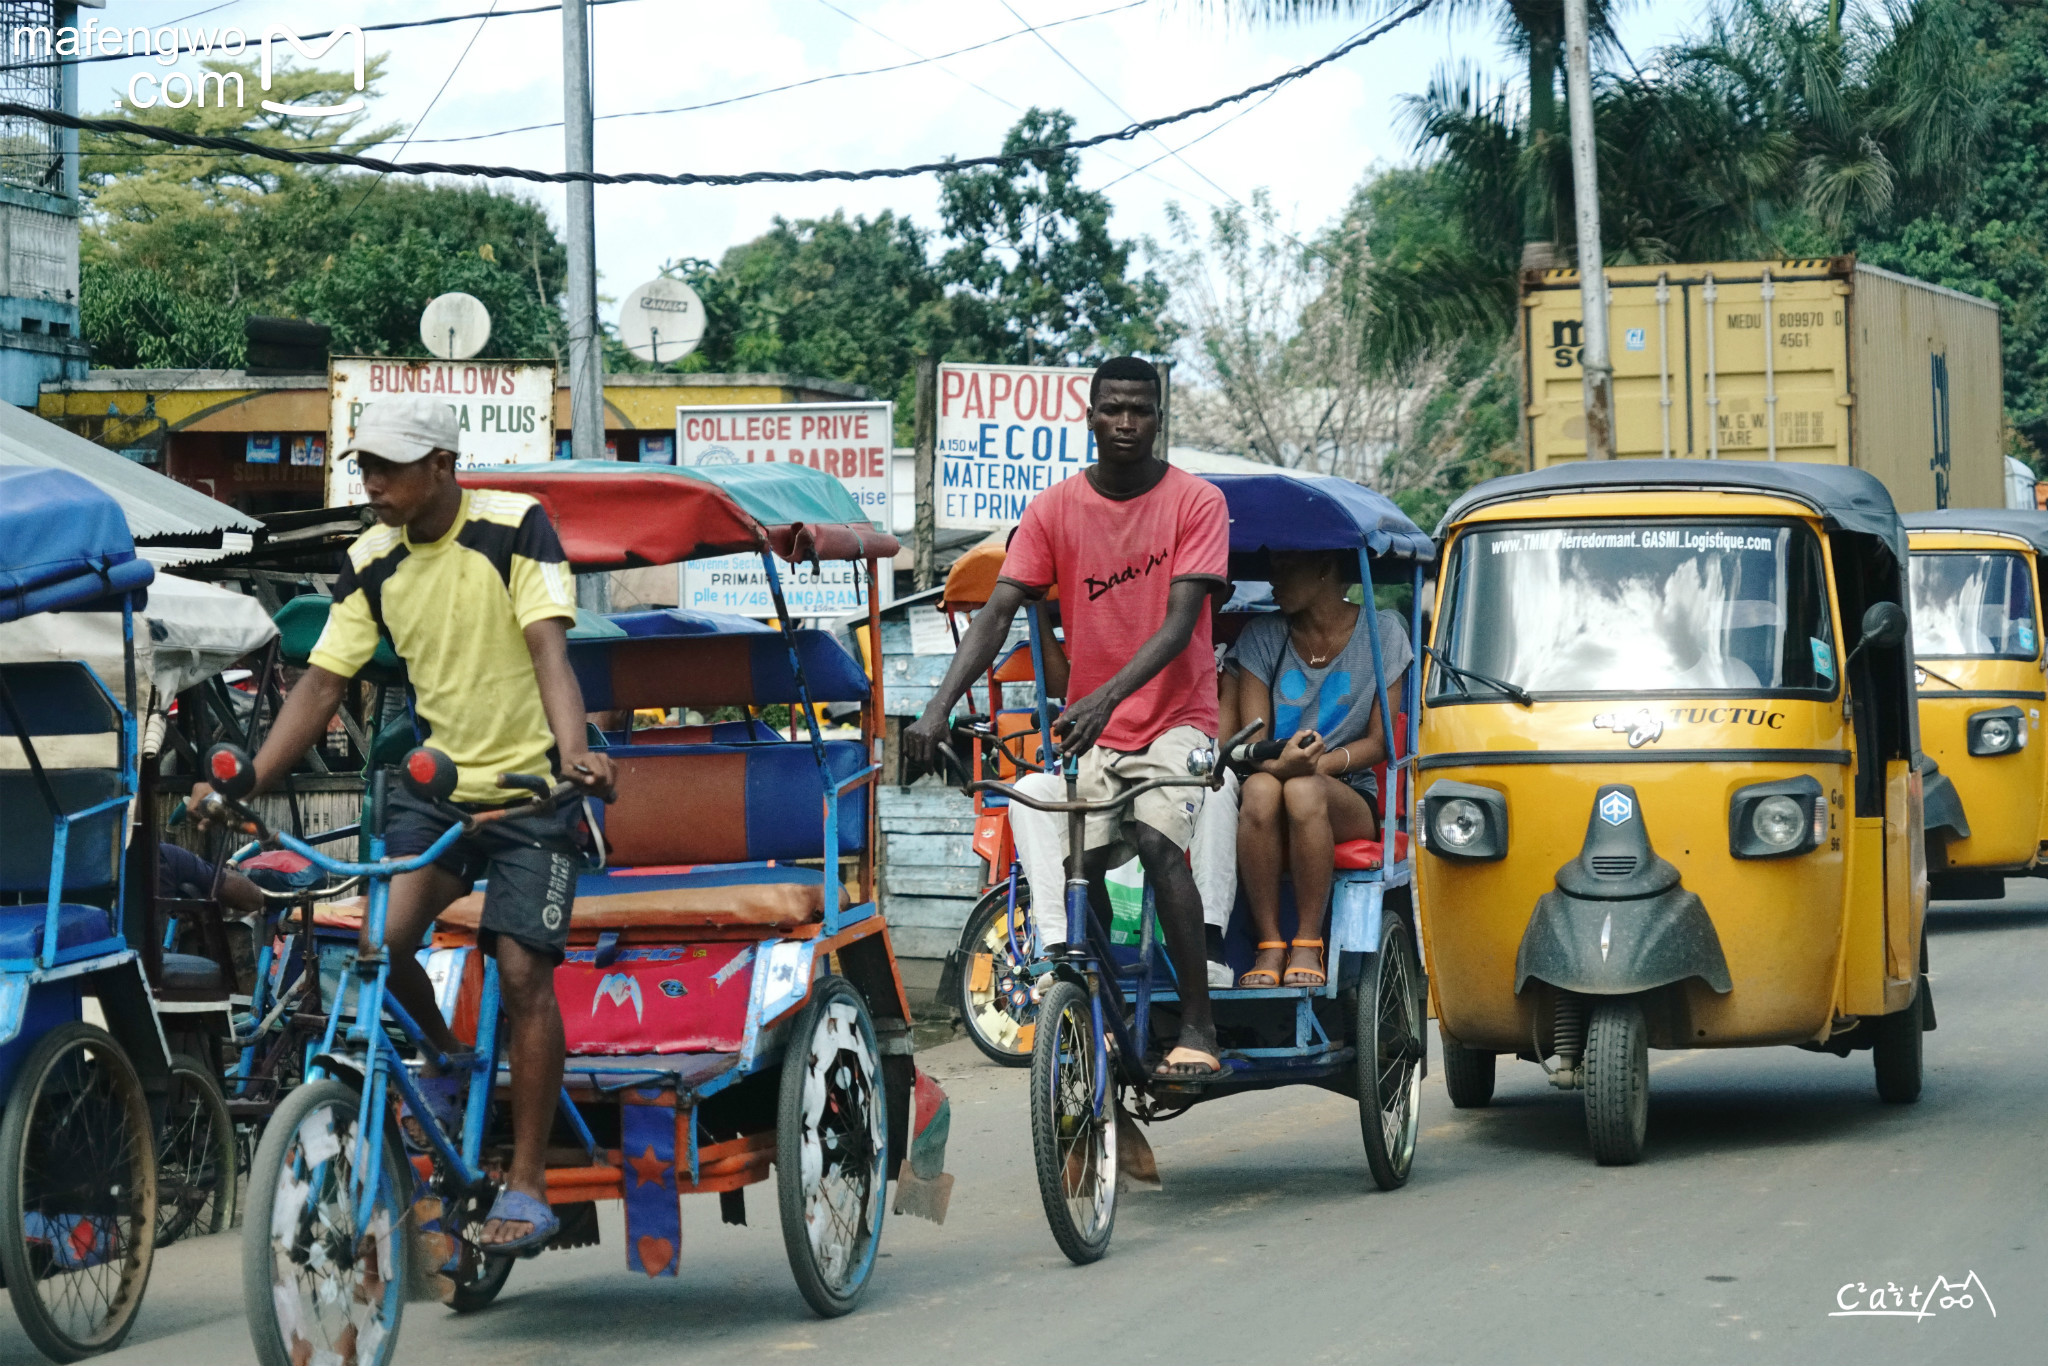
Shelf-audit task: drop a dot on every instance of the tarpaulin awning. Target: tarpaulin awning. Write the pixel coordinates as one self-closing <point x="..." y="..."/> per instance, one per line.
<point x="156" y="507"/>
<point x="187" y="633"/>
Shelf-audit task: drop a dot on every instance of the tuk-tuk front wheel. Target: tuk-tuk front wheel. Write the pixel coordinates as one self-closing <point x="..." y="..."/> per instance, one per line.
<point x="1468" y="1072"/>
<point x="1617" y="1081"/>
<point x="1895" y="1053"/>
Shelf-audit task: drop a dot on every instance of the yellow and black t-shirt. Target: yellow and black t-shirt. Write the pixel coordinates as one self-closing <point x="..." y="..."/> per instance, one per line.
<point x="455" y="611"/>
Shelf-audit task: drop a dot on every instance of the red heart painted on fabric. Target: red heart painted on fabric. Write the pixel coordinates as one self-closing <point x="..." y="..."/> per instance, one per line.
<point x="655" y="1254"/>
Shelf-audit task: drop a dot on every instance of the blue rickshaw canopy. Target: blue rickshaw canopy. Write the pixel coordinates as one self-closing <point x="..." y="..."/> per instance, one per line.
<point x="64" y="545"/>
<point x="1289" y="512"/>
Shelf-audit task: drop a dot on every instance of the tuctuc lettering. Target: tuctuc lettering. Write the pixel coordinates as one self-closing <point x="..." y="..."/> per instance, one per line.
<point x="1645" y="727"/>
<point x="1734" y="716"/>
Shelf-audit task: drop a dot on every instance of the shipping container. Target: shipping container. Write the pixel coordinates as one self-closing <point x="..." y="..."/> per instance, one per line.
<point x="1857" y="366"/>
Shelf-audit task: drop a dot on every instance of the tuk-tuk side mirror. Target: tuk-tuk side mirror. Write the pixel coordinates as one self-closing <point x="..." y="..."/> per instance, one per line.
<point x="1884" y="626"/>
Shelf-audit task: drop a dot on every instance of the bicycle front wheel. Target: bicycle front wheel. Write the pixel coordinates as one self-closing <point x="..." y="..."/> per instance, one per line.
<point x="1073" y="1146"/>
<point x="318" y="1282"/>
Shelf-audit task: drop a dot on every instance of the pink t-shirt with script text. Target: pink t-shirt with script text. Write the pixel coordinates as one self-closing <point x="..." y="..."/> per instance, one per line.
<point x="1115" y="561"/>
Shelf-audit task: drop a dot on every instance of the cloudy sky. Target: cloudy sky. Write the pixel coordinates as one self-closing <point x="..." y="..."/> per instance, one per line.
<point x="1308" y="144"/>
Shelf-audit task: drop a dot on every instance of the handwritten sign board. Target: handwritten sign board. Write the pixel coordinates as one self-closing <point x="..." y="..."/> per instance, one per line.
<point x="505" y="410"/>
<point x="850" y="441"/>
<point x="1005" y="433"/>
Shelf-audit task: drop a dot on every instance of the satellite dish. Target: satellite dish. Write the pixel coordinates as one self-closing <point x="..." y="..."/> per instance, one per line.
<point x="662" y="321"/>
<point x="455" y="326"/>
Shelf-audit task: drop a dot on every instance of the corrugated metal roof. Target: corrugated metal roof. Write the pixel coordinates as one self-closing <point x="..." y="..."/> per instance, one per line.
<point x="154" y="505"/>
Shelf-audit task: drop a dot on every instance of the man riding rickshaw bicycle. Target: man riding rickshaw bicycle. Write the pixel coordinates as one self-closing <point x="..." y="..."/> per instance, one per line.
<point x="709" y="1040"/>
<point x="1126" y="1030"/>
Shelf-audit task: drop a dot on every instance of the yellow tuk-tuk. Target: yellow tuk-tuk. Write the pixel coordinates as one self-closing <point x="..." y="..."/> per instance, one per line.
<point x="1976" y="576"/>
<point x="1667" y="782"/>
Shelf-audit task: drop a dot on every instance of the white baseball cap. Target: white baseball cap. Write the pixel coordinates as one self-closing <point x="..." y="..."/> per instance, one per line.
<point x="404" y="428"/>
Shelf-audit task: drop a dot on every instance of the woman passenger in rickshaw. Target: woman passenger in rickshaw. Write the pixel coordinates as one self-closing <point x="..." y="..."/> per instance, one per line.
<point x="1307" y="671"/>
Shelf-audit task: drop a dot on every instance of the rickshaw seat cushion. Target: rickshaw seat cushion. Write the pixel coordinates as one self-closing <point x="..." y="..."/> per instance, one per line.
<point x="655" y="899"/>
<point x="1015" y="667"/>
<point x="1367" y="855"/>
<point x="741" y="669"/>
<point x="691" y="804"/>
<point x="190" y="972"/>
<point x="21" y="929"/>
<point x="92" y="850"/>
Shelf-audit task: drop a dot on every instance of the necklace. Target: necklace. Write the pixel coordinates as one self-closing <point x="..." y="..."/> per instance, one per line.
<point x="1318" y="660"/>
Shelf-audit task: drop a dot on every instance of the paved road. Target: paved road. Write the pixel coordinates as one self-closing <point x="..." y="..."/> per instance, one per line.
<point x="1774" y="1179"/>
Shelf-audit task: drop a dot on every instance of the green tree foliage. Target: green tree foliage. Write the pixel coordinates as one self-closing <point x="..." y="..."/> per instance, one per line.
<point x="1785" y="129"/>
<point x="178" y="248"/>
<point x="1534" y="30"/>
<point x="1995" y="243"/>
<point x="849" y="299"/>
<point x="1039" y="279"/>
<point x="1024" y="270"/>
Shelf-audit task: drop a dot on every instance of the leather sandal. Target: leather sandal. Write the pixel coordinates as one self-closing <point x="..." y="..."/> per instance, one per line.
<point x="1305" y="977"/>
<point x="1272" y="978"/>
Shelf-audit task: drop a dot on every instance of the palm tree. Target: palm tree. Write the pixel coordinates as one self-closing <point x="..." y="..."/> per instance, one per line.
<point x="1784" y="129"/>
<point x="1533" y="28"/>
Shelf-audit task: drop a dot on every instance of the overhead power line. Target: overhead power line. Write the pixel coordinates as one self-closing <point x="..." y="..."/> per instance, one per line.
<point x="795" y="85"/>
<point x="242" y="146"/>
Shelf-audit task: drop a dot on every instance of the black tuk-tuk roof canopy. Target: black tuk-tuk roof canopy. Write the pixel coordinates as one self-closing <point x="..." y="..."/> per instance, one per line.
<point x="1850" y="499"/>
<point x="2028" y="525"/>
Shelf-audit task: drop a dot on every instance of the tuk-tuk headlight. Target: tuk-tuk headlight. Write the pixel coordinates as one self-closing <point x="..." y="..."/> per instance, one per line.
<point x="1771" y="820"/>
<point x="2002" y="730"/>
<point x="1458" y="823"/>
<point x="1777" y="822"/>
<point x="1465" y="823"/>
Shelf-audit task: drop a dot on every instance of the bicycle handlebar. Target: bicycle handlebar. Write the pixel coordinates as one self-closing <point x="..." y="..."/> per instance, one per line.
<point x="430" y="781"/>
<point x="1210" y="777"/>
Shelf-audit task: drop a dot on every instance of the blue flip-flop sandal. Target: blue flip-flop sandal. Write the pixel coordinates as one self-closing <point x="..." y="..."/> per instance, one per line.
<point x="520" y="1208"/>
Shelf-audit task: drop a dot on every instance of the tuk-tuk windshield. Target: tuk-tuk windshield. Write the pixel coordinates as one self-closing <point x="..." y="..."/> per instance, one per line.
<point x="1971" y="604"/>
<point x="1637" y="607"/>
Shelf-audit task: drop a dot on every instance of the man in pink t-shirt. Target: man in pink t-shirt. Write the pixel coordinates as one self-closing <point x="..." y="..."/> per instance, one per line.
<point x="1136" y="548"/>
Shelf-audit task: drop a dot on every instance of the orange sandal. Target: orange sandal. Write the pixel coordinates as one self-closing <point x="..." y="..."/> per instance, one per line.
<point x="1305" y="977"/>
<point x="1272" y="977"/>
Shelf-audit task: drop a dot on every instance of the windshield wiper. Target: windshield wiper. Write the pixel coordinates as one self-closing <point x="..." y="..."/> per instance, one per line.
<point x="1932" y="674"/>
<point x="1459" y="674"/>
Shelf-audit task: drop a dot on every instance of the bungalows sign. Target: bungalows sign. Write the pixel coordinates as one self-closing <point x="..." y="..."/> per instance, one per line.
<point x="505" y="410"/>
<point x="849" y="441"/>
<point x="1006" y="432"/>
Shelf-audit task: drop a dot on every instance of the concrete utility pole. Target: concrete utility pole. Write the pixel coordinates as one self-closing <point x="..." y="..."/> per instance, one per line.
<point x="1595" y="360"/>
<point x="586" y="359"/>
